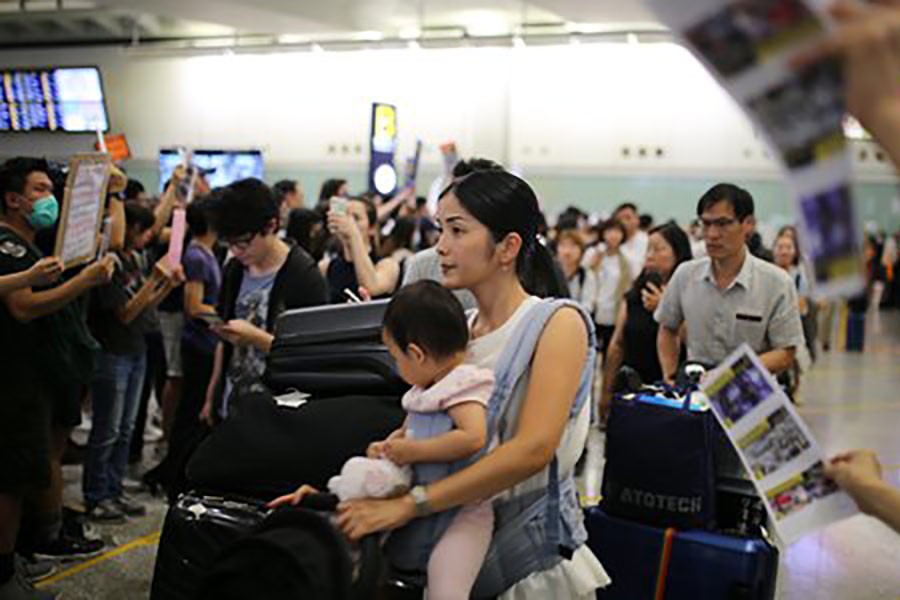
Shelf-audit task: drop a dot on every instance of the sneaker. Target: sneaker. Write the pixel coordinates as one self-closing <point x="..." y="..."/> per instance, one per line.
<point x="34" y="569"/>
<point x="106" y="511"/>
<point x="18" y="588"/>
<point x="130" y="506"/>
<point x="76" y="525"/>
<point x="69" y="548"/>
<point x="130" y="484"/>
<point x="152" y="433"/>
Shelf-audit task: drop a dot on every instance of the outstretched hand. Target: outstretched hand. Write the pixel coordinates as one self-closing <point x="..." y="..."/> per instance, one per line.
<point x="294" y="498"/>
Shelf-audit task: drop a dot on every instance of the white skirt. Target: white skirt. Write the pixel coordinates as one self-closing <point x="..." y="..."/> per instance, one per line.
<point x="577" y="579"/>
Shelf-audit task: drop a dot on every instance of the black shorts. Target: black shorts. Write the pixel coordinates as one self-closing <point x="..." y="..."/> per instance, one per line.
<point x="604" y="337"/>
<point x="65" y="404"/>
<point x="24" y="438"/>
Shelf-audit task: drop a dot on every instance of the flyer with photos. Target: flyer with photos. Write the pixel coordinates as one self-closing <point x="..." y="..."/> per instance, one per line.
<point x="748" y="46"/>
<point x="775" y="446"/>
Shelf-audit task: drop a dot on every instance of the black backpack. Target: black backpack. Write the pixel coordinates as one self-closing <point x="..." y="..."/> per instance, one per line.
<point x="295" y="553"/>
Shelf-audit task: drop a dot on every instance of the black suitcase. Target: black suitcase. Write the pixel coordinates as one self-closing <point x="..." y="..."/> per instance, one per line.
<point x="333" y="350"/>
<point x="267" y="450"/>
<point x="296" y="552"/>
<point x="206" y="539"/>
<point x="197" y="528"/>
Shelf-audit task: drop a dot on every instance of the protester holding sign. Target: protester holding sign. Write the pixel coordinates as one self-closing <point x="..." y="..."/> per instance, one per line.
<point x="28" y="461"/>
<point x="43" y="272"/>
<point x="118" y="319"/>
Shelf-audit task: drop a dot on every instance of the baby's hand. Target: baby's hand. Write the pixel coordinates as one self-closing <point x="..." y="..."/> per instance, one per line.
<point x="375" y="450"/>
<point x="401" y="451"/>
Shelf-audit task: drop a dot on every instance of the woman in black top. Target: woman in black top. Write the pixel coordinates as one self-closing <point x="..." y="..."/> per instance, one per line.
<point x="357" y="264"/>
<point x="634" y="340"/>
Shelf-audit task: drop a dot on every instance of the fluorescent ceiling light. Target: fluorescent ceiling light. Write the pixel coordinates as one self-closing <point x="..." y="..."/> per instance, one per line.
<point x="368" y="36"/>
<point x="485" y="22"/>
<point x="409" y="33"/>
<point x="292" y="38"/>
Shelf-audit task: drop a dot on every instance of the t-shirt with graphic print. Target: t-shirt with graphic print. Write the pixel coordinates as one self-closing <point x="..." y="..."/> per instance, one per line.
<point x="249" y="362"/>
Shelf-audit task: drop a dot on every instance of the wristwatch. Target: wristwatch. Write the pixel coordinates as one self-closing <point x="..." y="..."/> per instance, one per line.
<point x="420" y="497"/>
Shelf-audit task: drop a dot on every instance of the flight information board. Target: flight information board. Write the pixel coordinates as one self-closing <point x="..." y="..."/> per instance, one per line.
<point x="64" y="99"/>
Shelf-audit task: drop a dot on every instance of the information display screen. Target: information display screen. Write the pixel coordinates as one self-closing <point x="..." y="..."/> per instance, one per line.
<point x="221" y="167"/>
<point x="64" y="99"/>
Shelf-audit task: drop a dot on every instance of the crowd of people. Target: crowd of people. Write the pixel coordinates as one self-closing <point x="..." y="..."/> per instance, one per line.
<point x="103" y="338"/>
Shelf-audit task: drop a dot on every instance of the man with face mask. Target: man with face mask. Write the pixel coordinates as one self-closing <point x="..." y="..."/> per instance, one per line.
<point x="32" y="366"/>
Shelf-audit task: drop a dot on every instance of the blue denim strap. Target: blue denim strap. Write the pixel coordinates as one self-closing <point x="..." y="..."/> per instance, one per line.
<point x="553" y="516"/>
<point x="512" y="365"/>
<point x="516" y="358"/>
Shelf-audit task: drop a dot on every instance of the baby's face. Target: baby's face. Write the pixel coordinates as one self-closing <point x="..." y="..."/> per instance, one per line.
<point x="414" y="368"/>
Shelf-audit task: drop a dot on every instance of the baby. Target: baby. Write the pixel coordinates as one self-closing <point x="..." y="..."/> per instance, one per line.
<point x="426" y="332"/>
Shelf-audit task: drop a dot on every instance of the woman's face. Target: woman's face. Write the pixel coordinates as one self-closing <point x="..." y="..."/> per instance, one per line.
<point x="660" y="256"/>
<point x="613" y="238"/>
<point x="466" y="248"/>
<point x="785" y="251"/>
<point x="569" y="255"/>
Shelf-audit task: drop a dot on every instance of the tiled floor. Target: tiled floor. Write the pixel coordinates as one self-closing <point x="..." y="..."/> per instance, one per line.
<point x="849" y="400"/>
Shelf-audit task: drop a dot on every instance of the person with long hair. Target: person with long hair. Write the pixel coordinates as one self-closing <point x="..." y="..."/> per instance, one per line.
<point x="488" y="245"/>
<point x="357" y="263"/>
<point x="667" y="248"/>
<point x="614" y="275"/>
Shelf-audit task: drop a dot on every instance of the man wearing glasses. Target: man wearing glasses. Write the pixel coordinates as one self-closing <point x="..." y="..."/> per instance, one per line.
<point x="728" y="297"/>
<point x="265" y="277"/>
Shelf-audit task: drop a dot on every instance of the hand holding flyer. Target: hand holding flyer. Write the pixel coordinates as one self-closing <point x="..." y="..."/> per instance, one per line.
<point x="775" y="446"/>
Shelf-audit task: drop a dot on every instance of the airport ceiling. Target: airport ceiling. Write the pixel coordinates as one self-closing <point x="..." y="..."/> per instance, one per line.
<point x="36" y="23"/>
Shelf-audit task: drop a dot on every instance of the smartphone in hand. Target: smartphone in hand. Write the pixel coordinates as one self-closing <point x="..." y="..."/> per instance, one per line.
<point x="338" y="205"/>
<point x="211" y="319"/>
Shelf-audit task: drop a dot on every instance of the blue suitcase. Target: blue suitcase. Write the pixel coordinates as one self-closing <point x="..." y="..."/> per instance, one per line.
<point x="646" y="563"/>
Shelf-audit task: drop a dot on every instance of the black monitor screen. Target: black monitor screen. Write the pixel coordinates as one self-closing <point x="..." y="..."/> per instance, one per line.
<point x="65" y="99"/>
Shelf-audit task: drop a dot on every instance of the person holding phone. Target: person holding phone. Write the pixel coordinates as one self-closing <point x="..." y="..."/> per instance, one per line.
<point x="265" y="277"/>
<point x="668" y="246"/>
<point x="355" y="223"/>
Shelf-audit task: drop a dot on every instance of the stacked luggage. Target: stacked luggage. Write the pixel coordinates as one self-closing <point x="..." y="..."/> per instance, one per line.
<point x="677" y="519"/>
<point x="220" y="540"/>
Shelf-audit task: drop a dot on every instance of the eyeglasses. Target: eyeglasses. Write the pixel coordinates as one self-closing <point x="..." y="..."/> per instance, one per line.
<point x="241" y="243"/>
<point x="720" y="224"/>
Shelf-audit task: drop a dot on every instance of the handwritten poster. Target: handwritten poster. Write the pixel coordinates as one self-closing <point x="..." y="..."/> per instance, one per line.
<point x="83" y="206"/>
